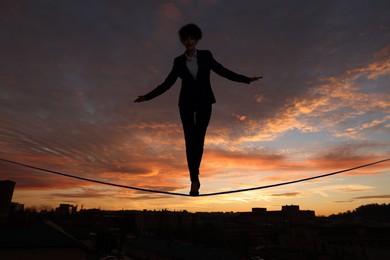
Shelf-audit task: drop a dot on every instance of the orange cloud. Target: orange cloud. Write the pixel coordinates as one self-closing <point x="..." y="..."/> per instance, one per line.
<point x="387" y="196"/>
<point x="380" y="67"/>
<point x="336" y="100"/>
<point x="288" y="194"/>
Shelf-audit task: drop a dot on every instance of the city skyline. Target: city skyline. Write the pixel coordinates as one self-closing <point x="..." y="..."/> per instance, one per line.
<point x="70" y="72"/>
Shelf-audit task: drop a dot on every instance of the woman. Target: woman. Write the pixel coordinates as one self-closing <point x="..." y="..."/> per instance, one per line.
<point x="196" y="96"/>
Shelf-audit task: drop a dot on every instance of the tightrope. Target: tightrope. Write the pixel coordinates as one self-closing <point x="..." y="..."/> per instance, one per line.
<point x="187" y="195"/>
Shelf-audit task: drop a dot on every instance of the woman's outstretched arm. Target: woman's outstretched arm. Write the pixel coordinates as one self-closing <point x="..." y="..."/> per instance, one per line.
<point x="168" y="82"/>
<point x="226" y="73"/>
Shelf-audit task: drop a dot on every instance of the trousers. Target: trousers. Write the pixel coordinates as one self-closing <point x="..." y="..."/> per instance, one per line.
<point x="195" y="121"/>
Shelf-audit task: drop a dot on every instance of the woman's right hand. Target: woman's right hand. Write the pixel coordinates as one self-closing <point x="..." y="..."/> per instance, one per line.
<point x="255" y="78"/>
<point x="140" y="99"/>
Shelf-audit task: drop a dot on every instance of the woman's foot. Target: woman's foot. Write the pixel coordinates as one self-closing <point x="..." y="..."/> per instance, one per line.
<point x="194" y="189"/>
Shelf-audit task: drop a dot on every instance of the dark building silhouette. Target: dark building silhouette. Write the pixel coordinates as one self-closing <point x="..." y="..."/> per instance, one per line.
<point x="6" y="192"/>
<point x="288" y="233"/>
<point x="44" y="241"/>
<point x="16" y="207"/>
<point x="66" y="209"/>
<point x="336" y="240"/>
<point x="290" y="214"/>
<point x="152" y="248"/>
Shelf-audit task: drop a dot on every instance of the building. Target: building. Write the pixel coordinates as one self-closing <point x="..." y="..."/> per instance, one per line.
<point x="16" y="207"/>
<point x="290" y="214"/>
<point x="44" y="241"/>
<point x="6" y="193"/>
<point x="152" y="248"/>
<point x="66" y="209"/>
<point x="337" y="241"/>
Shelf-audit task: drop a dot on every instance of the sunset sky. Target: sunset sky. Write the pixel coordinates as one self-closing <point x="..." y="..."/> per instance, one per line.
<point x="70" y="70"/>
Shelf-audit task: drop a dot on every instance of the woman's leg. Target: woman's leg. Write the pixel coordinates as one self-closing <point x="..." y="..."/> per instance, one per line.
<point x="195" y="122"/>
<point x="202" y="119"/>
<point x="187" y="116"/>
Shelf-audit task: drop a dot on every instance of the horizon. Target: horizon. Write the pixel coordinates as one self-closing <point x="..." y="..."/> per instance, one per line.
<point x="71" y="70"/>
<point x="47" y="208"/>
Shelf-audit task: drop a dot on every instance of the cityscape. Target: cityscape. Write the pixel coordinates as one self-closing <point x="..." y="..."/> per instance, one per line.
<point x="67" y="232"/>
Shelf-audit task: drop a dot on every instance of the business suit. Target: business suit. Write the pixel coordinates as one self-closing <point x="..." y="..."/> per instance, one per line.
<point x="195" y="92"/>
<point x="195" y="101"/>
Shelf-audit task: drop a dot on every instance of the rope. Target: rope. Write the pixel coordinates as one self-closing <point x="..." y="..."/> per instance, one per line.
<point x="92" y="180"/>
<point x="295" y="181"/>
<point x="186" y="195"/>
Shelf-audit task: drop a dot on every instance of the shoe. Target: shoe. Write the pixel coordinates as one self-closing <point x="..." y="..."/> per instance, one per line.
<point x="195" y="189"/>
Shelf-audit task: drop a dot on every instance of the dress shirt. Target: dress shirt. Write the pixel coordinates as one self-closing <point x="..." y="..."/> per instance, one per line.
<point x="192" y="64"/>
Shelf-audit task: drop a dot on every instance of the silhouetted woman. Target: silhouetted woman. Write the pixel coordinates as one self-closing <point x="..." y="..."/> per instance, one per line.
<point x="196" y="95"/>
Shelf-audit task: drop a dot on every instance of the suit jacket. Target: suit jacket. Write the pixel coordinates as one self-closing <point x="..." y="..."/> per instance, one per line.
<point x="195" y="92"/>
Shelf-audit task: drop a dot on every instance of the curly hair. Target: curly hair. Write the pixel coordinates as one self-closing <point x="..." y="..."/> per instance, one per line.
<point x="190" y="30"/>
